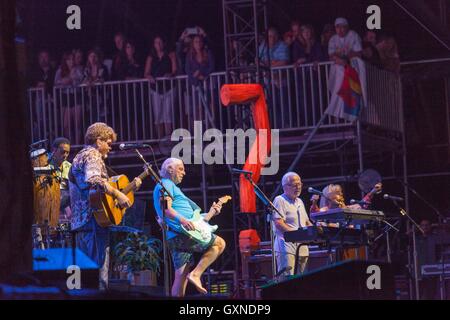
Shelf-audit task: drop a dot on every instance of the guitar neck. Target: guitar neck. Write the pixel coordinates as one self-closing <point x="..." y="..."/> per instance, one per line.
<point x="209" y="215"/>
<point x="132" y="185"/>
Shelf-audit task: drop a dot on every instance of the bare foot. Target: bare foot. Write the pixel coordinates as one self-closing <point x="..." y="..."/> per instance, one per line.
<point x="197" y="283"/>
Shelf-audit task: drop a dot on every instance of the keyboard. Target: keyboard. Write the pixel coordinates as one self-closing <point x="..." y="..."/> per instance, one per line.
<point x="352" y="216"/>
<point x="327" y="236"/>
<point x="436" y="269"/>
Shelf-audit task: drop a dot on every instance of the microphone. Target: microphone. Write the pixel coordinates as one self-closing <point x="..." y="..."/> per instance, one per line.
<point x="126" y="146"/>
<point x="241" y="171"/>
<point x="393" y="198"/>
<point x="312" y="190"/>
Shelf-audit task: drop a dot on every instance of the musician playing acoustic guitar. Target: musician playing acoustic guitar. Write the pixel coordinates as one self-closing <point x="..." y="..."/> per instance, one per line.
<point x="89" y="172"/>
<point x="177" y="213"/>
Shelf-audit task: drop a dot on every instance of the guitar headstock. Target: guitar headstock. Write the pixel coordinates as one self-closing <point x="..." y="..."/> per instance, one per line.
<point x="225" y="199"/>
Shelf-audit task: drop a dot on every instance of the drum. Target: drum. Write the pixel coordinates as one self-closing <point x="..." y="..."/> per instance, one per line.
<point x="46" y="191"/>
<point x="39" y="158"/>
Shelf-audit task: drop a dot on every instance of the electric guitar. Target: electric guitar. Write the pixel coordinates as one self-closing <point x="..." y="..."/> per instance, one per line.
<point x="203" y="230"/>
<point x="107" y="211"/>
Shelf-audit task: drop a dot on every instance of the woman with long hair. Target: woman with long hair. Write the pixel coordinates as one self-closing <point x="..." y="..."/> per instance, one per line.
<point x="95" y="71"/>
<point x="70" y="76"/>
<point x="199" y="65"/>
<point x="131" y="69"/>
<point x="161" y="63"/>
<point x="306" y="49"/>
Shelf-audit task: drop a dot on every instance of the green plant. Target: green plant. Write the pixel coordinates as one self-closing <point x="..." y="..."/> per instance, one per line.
<point x="139" y="253"/>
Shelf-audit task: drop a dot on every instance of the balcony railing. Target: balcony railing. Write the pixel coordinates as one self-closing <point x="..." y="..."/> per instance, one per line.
<point x="297" y="98"/>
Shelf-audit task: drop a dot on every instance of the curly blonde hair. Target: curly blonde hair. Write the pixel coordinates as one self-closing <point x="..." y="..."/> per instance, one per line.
<point x="99" y="130"/>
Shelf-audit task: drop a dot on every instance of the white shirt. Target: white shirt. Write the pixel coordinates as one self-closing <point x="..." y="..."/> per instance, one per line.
<point x="294" y="215"/>
<point x="343" y="46"/>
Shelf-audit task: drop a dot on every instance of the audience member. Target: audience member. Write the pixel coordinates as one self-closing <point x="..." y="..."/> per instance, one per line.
<point x="292" y="35"/>
<point x="184" y="44"/>
<point x="327" y="33"/>
<point x="95" y="71"/>
<point x="119" y="56"/>
<point x="345" y="49"/>
<point x="70" y="76"/>
<point x="130" y="68"/>
<point x="161" y="63"/>
<point x="305" y="48"/>
<point x="199" y="64"/>
<point x="389" y="56"/>
<point x="78" y="58"/>
<point x="44" y="75"/>
<point x="275" y="51"/>
<point x="370" y="51"/>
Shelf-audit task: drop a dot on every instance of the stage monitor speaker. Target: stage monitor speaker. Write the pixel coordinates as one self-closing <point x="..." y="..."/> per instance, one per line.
<point x="341" y="281"/>
<point x="50" y="266"/>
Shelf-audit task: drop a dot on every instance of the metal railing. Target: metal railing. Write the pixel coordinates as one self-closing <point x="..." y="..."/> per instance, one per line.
<point x="297" y="98"/>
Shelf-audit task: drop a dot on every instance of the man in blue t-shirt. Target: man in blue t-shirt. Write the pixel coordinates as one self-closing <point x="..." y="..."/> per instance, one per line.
<point x="178" y="212"/>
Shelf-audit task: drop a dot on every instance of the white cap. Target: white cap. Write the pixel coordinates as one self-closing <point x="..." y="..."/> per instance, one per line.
<point x="36" y="153"/>
<point x="341" y="21"/>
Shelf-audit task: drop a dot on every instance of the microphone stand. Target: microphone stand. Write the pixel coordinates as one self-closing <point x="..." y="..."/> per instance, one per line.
<point x="415" y="225"/>
<point x="163" y="191"/>
<point x="442" y="220"/>
<point x="270" y="208"/>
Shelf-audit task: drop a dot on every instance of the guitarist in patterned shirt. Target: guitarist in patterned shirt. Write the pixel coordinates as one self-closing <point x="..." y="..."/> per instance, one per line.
<point x="178" y="212"/>
<point x="88" y="172"/>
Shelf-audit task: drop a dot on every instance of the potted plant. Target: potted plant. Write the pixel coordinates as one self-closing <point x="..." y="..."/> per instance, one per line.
<point x="140" y="255"/>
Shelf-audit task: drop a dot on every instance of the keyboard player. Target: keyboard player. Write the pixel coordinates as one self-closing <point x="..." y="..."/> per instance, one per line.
<point x="292" y="216"/>
<point x="333" y="198"/>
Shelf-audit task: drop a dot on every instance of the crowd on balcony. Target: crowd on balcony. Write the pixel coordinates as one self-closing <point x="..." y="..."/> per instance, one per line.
<point x="193" y="57"/>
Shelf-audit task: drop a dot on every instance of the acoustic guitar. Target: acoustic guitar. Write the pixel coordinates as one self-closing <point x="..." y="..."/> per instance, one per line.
<point x="107" y="211"/>
<point x="203" y="230"/>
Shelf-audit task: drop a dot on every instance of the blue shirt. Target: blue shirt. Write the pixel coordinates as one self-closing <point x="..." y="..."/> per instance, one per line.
<point x="279" y="52"/>
<point x="180" y="203"/>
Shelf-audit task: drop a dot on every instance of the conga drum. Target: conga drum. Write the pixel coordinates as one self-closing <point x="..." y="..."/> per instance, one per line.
<point x="45" y="190"/>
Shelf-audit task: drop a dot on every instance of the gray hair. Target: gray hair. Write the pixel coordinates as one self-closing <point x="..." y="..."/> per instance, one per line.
<point x="285" y="179"/>
<point x="169" y="165"/>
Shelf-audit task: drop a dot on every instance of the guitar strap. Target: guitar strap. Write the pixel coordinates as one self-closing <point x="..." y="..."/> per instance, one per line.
<point x="110" y="171"/>
<point x="194" y="206"/>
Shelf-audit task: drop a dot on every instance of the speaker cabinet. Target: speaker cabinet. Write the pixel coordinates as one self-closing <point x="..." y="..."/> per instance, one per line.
<point x="350" y="280"/>
<point x="50" y="266"/>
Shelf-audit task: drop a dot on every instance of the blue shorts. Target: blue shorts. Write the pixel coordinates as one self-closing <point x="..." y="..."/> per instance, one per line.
<point x="182" y="248"/>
